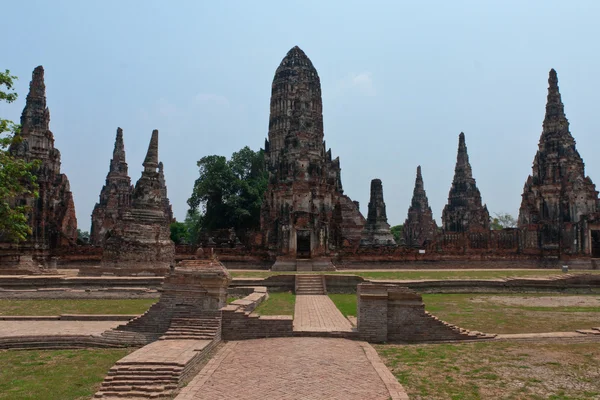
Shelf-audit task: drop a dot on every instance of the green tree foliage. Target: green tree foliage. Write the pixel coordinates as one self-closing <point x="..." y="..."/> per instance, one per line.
<point x="502" y="221"/>
<point x="229" y="193"/>
<point x="397" y="232"/>
<point x="83" y="236"/>
<point x="16" y="177"/>
<point x="179" y="233"/>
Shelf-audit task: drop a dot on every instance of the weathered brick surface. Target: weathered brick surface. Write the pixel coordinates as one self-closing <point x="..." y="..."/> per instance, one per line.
<point x="294" y="368"/>
<point x="238" y="321"/>
<point x="394" y="313"/>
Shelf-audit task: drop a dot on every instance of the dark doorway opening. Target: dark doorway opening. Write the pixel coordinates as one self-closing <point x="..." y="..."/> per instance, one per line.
<point x="596" y="244"/>
<point x="302" y="244"/>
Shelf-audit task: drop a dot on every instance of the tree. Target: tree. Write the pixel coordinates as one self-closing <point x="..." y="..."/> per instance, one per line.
<point x="502" y="221"/>
<point x="17" y="180"/>
<point x="179" y="233"/>
<point x="229" y="193"/>
<point x="397" y="232"/>
<point x="83" y="236"/>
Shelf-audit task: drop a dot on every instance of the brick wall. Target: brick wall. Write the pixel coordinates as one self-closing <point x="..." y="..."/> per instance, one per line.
<point x="239" y="323"/>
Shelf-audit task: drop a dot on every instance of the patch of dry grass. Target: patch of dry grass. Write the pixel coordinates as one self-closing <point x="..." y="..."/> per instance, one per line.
<point x="496" y="370"/>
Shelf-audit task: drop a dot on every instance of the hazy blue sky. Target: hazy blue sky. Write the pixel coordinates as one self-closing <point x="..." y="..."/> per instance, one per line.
<point x="400" y="81"/>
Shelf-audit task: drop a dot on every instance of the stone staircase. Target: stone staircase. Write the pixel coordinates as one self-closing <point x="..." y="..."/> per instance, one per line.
<point x="192" y="324"/>
<point x="460" y="333"/>
<point x="304" y="265"/>
<point x="310" y="285"/>
<point x="145" y="380"/>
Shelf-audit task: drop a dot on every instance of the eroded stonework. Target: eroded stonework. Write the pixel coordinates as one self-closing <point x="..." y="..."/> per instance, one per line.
<point x="419" y="227"/>
<point x="304" y="212"/>
<point x="115" y="196"/>
<point x="377" y="230"/>
<point x="140" y="242"/>
<point x="558" y="194"/>
<point x="464" y="211"/>
<point x="52" y="217"/>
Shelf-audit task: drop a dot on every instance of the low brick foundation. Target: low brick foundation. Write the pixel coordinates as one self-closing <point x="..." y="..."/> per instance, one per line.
<point x="239" y="323"/>
<point x="391" y="313"/>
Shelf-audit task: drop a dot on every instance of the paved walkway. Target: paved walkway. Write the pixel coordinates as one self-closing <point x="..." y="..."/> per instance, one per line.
<point x="46" y="328"/>
<point x="317" y="313"/>
<point x="294" y="368"/>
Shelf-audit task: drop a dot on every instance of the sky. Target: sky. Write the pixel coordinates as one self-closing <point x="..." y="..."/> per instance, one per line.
<point x="400" y="81"/>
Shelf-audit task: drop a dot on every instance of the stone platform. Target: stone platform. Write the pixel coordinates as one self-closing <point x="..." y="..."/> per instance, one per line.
<point x="294" y="368"/>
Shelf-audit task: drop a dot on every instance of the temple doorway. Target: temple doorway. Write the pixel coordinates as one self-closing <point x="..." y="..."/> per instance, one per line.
<point x="302" y="244"/>
<point x="595" y="244"/>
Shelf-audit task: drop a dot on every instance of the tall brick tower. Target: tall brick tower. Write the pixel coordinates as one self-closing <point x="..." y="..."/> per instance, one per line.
<point x="558" y="194"/>
<point x="304" y="181"/>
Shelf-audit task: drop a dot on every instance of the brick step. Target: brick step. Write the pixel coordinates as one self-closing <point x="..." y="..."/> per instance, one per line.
<point x="132" y="366"/>
<point x="191" y="329"/>
<point x="132" y="395"/>
<point x="141" y="377"/>
<point x="185" y="337"/>
<point x="137" y="387"/>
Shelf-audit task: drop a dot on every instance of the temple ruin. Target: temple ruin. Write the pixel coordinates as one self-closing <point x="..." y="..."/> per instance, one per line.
<point x="377" y="230"/>
<point x="464" y="211"/>
<point x="52" y="215"/>
<point x="419" y="227"/>
<point x="305" y="186"/>
<point x="140" y="242"/>
<point x="115" y="196"/>
<point x="558" y="198"/>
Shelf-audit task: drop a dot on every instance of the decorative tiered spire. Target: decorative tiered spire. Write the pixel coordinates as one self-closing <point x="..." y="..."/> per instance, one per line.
<point x="464" y="211"/>
<point x="558" y="190"/>
<point x="377" y="230"/>
<point x="151" y="160"/>
<point x="115" y="196"/>
<point x="419" y="226"/>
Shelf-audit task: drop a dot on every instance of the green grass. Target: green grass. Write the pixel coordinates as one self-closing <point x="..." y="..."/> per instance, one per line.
<point x="346" y="303"/>
<point x="422" y="274"/>
<point x="495" y="370"/>
<point x="278" y="304"/>
<point x="68" y="306"/>
<point x="483" y="312"/>
<point x="54" y="374"/>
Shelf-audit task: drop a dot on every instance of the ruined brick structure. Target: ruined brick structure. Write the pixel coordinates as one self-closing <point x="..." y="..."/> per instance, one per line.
<point x="52" y="217"/>
<point x="557" y="195"/>
<point x="304" y="213"/>
<point x="115" y="196"/>
<point x="377" y="230"/>
<point x="168" y="209"/>
<point x="140" y="242"/>
<point x="464" y="211"/>
<point x="419" y="227"/>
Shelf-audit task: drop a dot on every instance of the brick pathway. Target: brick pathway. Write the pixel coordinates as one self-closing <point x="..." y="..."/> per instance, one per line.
<point x="294" y="368"/>
<point x="46" y="328"/>
<point x="318" y="314"/>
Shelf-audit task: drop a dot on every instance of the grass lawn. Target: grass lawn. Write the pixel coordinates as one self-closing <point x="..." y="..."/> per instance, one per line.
<point x="69" y="306"/>
<point x="346" y="303"/>
<point x="278" y="304"/>
<point x="423" y="274"/>
<point x="502" y="313"/>
<point x="496" y="370"/>
<point x="54" y="374"/>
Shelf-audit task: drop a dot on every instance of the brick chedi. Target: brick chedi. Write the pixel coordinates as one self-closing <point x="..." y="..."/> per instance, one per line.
<point x="163" y="187"/>
<point x="305" y="188"/>
<point x="52" y="217"/>
<point x="115" y="196"/>
<point x="140" y="242"/>
<point x="377" y="230"/>
<point x="419" y="227"/>
<point x="464" y="211"/>
<point x="557" y="192"/>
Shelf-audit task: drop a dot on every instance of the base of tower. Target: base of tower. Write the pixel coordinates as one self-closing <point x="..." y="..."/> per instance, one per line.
<point x="302" y="265"/>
